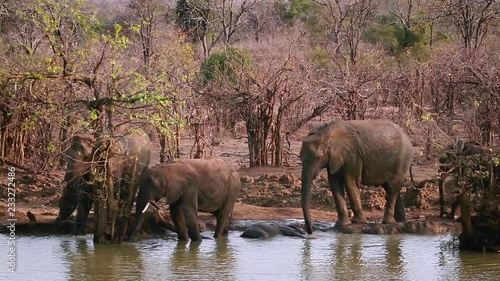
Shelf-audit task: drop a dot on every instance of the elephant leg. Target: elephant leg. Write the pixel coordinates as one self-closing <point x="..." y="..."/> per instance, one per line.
<point x="392" y="196"/>
<point x="179" y="222"/>
<point x="192" y="222"/>
<point x="399" y="210"/>
<point x="85" y="202"/>
<point x="68" y="202"/>
<point x="354" y="193"/>
<point x="223" y="218"/>
<point x="337" y="188"/>
<point x="453" y="210"/>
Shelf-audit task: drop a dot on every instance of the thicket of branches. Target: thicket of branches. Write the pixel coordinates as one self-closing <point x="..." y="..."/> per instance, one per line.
<point x="200" y="68"/>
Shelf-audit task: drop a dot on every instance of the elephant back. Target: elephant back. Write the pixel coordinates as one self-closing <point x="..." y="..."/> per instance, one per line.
<point x="384" y="148"/>
<point x="134" y="144"/>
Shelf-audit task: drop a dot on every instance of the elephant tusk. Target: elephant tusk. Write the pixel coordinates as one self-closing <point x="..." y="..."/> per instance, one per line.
<point x="155" y="205"/>
<point x="145" y="208"/>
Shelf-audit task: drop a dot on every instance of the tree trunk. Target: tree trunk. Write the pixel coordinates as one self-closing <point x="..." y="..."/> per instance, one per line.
<point x="467" y="235"/>
<point x="126" y="208"/>
<point x="278" y="141"/>
<point x="102" y="178"/>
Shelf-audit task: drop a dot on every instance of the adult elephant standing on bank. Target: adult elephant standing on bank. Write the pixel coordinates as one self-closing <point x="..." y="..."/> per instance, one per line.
<point x="208" y="185"/>
<point x="370" y="152"/>
<point x="130" y="155"/>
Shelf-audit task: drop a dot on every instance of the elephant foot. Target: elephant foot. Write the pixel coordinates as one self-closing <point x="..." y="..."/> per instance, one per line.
<point x="57" y="221"/>
<point x="400" y="219"/>
<point x="342" y="221"/>
<point x="79" y="232"/>
<point x="359" y="219"/>
<point x="388" y="219"/>
<point x="197" y="237"/>
<point x="79" y="229"/>
<point x="400" y="216"/>
<point x="182" y="238"/>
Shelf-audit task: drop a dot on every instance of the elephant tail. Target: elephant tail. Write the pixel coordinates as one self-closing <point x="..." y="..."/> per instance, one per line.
<point x="411" y="177"/>
<point x="420" y="184"/>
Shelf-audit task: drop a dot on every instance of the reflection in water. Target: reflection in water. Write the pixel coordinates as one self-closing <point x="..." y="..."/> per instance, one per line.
<point x="346" y="257"/>
<point x="329" y="256"/>
<point x="87" y="261"/>
<point x="393" y="255"/>
<point x="307" y="264"/>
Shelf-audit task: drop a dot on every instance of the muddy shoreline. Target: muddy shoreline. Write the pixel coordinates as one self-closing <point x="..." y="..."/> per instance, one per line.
<point x="244" y="215"/>
<point x="267" y="194"/>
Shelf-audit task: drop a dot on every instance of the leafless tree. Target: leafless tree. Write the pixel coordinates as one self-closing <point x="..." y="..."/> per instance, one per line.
<point x="148" y="15"/>
<point x="213" y="21"/>
<point x="473" y="19"/>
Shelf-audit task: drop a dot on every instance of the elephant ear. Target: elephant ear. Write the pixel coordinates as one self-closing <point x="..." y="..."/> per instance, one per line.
<point x="343" y="144"/>
<point x="83" y="145"/>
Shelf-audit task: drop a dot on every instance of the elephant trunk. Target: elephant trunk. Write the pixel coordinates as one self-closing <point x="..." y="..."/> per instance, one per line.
<point x="140" y="207"/>
<point x="307" y="177"/>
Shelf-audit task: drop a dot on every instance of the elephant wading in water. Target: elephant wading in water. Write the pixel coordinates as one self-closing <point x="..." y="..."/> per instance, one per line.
<point x="208" y="185"/>
<point x="130" y="155"/>
<point x="263" y="231"/>
<point x="370" y="152"/>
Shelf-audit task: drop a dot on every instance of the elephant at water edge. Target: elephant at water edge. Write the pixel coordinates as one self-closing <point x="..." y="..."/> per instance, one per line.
<point x="131" y="154"/>
<point x="208" y="185"/>
<point x="268" y="230"/>
<point x="369" y="152"/>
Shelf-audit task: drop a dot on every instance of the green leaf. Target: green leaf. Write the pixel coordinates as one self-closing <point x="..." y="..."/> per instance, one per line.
<point x="94" y="114"/>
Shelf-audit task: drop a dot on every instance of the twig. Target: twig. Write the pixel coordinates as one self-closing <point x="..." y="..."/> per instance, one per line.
<point x="27" y="169"/>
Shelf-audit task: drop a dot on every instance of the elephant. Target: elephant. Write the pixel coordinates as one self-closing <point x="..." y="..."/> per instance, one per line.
<point x="131" y="155"/>
<point x="369" y="152"/>
<point x="448" y="163"/>
<point x="264" y="231"/>
<point x="207" y="185"/>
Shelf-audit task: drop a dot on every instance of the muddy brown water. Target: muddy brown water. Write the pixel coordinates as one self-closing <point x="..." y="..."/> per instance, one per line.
<point x="326" y="256"/>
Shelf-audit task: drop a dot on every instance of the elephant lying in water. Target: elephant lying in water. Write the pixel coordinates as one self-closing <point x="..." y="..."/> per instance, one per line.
<point x="207" y="185"/>
<point x="368" y="152"/>
<point x="262" y="230"/>
<point x="131" y="154"/>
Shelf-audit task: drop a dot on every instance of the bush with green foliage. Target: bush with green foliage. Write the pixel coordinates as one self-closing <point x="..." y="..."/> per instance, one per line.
<point x="226" y="65"/>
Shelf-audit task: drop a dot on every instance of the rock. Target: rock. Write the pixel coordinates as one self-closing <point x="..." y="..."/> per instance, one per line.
<point x="286" y="180"/>
<point x="373" y="198"/>
<point x="421" y="198"/>
<point x="273" y="178"/>
<point x="274" y="185"/>
<point x="263" y="177"/>
<point x="411" y="227"/>
<point x="246" y="180"/>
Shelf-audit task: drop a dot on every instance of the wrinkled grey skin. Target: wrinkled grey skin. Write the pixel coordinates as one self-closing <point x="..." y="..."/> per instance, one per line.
<point x="461" y="149"/>
<point x="264" y="231"/>
<point x="368" y="152"/>
<point x="208" y="185"/>
<point x="132" y="149"/>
